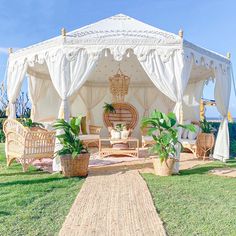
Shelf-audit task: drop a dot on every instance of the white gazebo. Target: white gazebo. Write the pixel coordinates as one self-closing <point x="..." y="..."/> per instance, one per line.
<point x="69" y="74"/>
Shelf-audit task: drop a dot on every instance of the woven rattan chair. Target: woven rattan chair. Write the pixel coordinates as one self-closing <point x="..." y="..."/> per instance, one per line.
<point x="26" y="145"/>
<point x="125" y="113"/>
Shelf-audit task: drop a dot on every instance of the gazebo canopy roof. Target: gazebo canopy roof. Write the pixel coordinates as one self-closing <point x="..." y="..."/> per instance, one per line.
<point x="119" y="33"/>
<point x="122" y="26"/>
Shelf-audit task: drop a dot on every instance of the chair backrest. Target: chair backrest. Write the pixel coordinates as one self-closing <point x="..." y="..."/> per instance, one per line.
<point x="13" y="126"/>
<point x="125" y="113"/>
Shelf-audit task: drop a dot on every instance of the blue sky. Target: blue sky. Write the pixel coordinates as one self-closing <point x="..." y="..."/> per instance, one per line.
<point x="209" y="23"/>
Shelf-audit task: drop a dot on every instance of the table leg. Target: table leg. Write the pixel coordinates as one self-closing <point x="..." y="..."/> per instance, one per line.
<point x="137" y="148"/>
<point x="99" y="147"/>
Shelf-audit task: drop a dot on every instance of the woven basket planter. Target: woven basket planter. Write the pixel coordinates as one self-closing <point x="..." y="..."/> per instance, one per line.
<point x="164" y="168"/>
<point x="205" y="143"/>
<point x="78" y="166"/>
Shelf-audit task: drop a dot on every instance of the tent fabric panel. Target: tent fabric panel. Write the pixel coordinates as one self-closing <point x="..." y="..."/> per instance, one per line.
<point x="16" y="72"/>
<point x="191" y="101"/>
<point x="222" y="97"/>
<point x="68" y="72"/>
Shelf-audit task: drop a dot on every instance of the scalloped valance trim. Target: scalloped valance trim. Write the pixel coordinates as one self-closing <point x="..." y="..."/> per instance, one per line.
<point x="205" y="54"/>
<point x="118" y="52"/>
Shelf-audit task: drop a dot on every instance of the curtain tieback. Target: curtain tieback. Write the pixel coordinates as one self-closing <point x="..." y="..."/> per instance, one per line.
<point x="8" y="108"/>
<point x="62" y="109"/>
<point x="146" y="111"/>
<point x="88" y="115"/>
<point x="179" y="111"/>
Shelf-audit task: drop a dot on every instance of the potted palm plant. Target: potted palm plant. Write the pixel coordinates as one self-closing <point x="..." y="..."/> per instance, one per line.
<point x="74" y="155"/>
<point x="109" y="108"/>
<point x="164" y="130"/>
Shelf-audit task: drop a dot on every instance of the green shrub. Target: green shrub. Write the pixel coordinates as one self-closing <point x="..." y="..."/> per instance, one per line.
<point x="233" y="147"/>
<point x="232" y="135"/>
<point x="2" y="136"/>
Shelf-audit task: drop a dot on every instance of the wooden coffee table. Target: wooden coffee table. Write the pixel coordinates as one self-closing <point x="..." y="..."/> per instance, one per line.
<point x="108" y="151"/>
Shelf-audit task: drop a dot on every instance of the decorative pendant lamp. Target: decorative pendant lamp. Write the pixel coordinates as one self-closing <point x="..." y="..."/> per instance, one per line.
<point x="119" y="86"/>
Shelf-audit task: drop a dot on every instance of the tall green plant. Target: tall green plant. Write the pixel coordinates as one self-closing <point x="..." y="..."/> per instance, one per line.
<point x="206" y="126"/>
<point x="71" y="144"/>
<point x="164" y="130"/>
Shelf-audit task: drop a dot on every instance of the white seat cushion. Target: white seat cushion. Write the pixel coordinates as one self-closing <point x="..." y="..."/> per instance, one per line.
<point x="89" y="136"/>
<point x="188" y="141"/>
<point x="48" y="125"/>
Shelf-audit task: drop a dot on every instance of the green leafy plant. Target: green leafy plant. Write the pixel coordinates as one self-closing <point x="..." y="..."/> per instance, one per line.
<point x="206" y="126"/>
<point x="109" y="108"/>
<point x="71" y="144"/>
<point x="27" y="122"/>
<point x="120" y="127"/>
<point x="164" y="130"/>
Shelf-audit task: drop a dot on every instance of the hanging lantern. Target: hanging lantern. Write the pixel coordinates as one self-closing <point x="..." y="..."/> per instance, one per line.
<point x="119" y="86"/>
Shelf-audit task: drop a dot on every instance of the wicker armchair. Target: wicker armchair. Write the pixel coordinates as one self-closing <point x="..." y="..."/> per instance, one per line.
<point x="91" y="139"/>
<point x="26" y="145"/>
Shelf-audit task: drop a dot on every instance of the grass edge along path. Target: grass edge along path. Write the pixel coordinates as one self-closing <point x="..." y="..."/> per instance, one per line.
<point x="35" y="202"/>
<point x="196" y="202"/>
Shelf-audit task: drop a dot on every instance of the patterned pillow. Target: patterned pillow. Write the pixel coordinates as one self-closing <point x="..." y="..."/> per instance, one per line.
<point x="125" y="134"/>
<point x="115" y="134"/>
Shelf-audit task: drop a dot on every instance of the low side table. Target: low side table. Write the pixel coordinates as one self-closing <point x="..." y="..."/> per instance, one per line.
<point x="108" y="151"/>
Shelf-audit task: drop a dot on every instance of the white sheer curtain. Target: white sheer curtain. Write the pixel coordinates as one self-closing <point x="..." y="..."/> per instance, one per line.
<point x="146" y="97"/>
<point x="15" y="76"/>
<point x="191" y="100"/>
<point x="222" y="97"/>
<point x="169" y="74"/>
<point x="68" y="72"/>
<point x="92" y="96"/>
<point x="48" y="104"/>
<point x="35" y="87"/>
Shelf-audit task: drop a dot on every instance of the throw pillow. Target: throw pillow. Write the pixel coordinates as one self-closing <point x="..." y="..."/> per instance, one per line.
<point x="115" y="134"/>
<point x="83" y="125"/>
<point x="185" y="132"/>
<point x="193" y="135"/>
<point x="125" y="134"/>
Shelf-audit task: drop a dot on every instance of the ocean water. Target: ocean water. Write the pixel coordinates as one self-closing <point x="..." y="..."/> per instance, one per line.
<point x="217" y="119"/>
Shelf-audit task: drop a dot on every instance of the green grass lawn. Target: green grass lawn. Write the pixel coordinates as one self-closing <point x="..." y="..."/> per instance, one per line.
<point x="196" y="203"/>
<point x="33" y="203"/>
